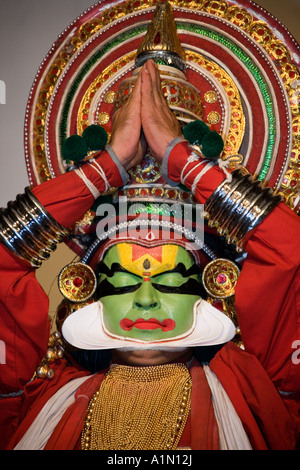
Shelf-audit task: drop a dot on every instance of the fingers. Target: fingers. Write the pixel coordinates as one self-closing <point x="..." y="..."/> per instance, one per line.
<point x="155" y="79"/>
<point x="148" y="110"/>
<point x="147" y="89"/>
<point x="157" y="119"/>
<point x="136" y="94"/>
<point x="126" y="129"/>
<point x="151" y="90"/>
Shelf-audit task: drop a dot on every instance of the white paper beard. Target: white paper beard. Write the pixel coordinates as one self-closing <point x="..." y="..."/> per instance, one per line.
<point x="85" y="329"/>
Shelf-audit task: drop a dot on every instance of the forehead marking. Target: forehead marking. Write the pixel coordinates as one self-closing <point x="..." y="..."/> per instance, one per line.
<point x="138" y="259"/>
<point x="146" y="264"/>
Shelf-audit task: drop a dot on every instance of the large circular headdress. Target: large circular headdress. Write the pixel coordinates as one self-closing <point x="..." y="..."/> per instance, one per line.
<point x="241" y="59"/>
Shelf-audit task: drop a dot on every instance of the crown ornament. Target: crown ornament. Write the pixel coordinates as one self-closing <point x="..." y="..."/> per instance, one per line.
<point x="161" y="42"/>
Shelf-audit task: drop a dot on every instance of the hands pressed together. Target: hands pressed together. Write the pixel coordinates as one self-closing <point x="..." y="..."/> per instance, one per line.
<point x="145" y="119"/>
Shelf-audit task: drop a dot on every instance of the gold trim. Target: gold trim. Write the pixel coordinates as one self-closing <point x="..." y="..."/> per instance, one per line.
<point x="237" y="121"/>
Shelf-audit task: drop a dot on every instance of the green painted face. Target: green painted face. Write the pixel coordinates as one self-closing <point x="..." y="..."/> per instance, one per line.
<point x="148" y="294"/>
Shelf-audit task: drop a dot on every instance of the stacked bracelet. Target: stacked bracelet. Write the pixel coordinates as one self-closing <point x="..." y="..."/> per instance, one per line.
<point x="28" y="230"/>
<point x="238" y="205"/>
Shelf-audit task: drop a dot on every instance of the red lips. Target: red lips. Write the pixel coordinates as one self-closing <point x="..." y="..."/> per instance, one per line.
<point x="151" y="324"/>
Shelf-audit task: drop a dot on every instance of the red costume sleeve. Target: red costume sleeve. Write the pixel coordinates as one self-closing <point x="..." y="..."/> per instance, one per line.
<point x="24" y="326"/>
<point x="268" y="289"/>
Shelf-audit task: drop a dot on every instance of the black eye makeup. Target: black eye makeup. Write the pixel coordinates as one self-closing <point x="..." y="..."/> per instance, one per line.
<point x="105" y="288"/>
<point x="120" y="281"/>
<point x="190" y="287"/>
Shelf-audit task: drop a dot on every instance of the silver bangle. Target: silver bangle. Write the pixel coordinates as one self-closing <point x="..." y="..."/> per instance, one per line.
<point x="28" y="230"/>
<point x="239" y="205"/>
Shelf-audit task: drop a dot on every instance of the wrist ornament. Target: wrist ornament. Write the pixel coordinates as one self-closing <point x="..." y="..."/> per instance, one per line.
<point x="28" y="230"/>
<point x="238" y="205"/>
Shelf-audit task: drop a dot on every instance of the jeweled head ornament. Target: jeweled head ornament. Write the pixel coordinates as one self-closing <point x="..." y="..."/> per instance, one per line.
<point x="161" y="42"/>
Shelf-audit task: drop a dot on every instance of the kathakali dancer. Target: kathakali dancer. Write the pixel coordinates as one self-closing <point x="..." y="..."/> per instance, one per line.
<point x="162" y="146"/>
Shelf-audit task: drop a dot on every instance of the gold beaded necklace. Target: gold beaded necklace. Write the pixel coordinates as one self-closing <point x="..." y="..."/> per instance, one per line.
<point x="139" y="408"/>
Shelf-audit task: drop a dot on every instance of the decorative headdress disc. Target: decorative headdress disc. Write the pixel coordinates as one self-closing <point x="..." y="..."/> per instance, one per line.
<point x="241" y="59"/>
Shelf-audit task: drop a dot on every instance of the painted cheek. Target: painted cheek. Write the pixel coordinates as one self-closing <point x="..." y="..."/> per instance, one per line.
<point x="180" y="310"/>
<point x="113" y="312"/>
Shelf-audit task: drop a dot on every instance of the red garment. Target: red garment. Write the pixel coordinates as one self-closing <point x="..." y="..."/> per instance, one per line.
<point x="253" y="395"/>
<point x="67" y="433"/>
<point x="269" y="323"/>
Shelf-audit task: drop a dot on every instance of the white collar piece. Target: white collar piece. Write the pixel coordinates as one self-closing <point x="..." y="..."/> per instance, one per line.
<point x="85" y="329"/>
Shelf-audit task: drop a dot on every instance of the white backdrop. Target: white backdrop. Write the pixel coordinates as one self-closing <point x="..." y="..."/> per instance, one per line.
<point x="28" y="29"/>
